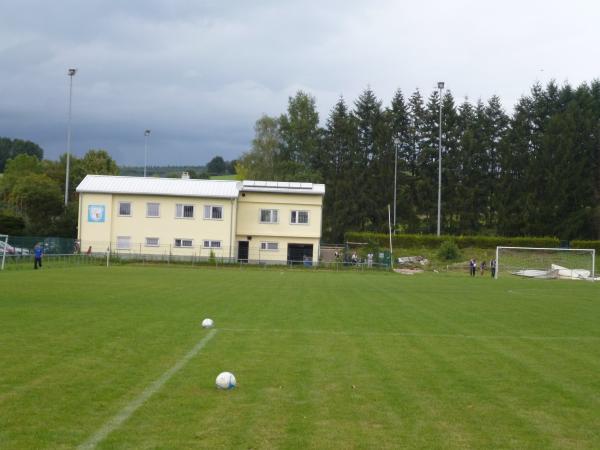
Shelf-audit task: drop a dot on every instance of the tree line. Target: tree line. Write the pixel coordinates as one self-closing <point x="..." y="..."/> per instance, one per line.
<point x="217" y="166"/>
<point x="32" y="188"/>
<point x="535" y="172"/>
<point x="32" y="192"/>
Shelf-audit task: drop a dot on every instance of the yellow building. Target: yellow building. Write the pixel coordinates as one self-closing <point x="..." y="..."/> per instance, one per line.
<point x="253" y="221"/>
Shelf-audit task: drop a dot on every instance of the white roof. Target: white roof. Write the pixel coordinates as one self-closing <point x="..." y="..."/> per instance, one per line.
<point x="285" y="187"/>
<point x="178" y="187"/>
<point x="110" y="184"/>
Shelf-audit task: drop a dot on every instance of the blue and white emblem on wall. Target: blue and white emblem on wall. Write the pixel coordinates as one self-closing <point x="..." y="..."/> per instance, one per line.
<point x="96" y="213"/>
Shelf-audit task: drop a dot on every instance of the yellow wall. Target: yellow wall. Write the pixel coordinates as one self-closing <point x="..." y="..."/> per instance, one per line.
<point x="250" y="204"/>
<point x="96" y="235"/>
<point x="241" y="219"/>
<point x="166" y="227"/>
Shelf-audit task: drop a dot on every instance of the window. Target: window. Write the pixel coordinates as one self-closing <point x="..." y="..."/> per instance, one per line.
<point x="273" y="246"/>
<point x="268" y="216"/>
<point x="299" y="217"/>
<point x="213" y="212"/>
<point x="184" y="211"/>
<point x="124" y="208"/>
<point x="123" y="242"/>
<point x="152" y="209"/>
<point x="212" y="244"/>
<point x="152" y="242"/>
<point x="184" y="243"/>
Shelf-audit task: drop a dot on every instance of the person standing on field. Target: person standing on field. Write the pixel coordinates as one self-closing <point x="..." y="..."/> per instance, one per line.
<point x="493" y="267"/>
<point x="38" y="252"/>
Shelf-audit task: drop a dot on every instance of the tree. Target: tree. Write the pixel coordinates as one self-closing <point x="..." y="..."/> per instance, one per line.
<point x="374" y="150"/>
<point x="260" y="162"/>
<point x="21" y="165"/>
<point x="399" y="123"/>
<point x="11" y="224"/>
<point x="341" y="167"/>
<point x="216" y="166"/>
<point x="98" y="162"/>
<point x="10" y="148"/>
<point x="299" y="156"/>
<point x="411" y="153"/>
<point x="40" y="199"/>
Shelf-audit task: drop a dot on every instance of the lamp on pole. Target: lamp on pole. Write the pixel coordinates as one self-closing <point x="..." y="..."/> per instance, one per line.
<point x="146" y="134"/>
<point x="439" y="205"/>
<point x="396" y="145"/>
<point x="71" y="74"/>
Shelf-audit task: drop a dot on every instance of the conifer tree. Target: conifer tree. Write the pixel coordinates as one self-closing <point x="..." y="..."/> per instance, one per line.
<point x="340" y="156"/>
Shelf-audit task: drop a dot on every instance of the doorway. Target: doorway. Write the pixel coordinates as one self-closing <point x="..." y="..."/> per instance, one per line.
<point x="299" y="253"/>
<point x="243" y="251"/>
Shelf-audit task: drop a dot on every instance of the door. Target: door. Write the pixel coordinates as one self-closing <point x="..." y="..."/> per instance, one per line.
<point x="300" y="254"/>
<point x="243" y="251"/>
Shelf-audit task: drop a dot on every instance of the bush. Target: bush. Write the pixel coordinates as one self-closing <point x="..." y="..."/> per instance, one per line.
<point x="586" y="244"/>
<point x="11" y="224"/>
<point x="212" y="259"/>
<point x="433" y="241"/>
<point x="449" y="251"/>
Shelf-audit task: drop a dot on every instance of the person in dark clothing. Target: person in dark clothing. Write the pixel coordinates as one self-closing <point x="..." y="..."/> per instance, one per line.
<point x="473" y="267"/>
<point x="493" y="268"/>
<point x="38" y="252"/>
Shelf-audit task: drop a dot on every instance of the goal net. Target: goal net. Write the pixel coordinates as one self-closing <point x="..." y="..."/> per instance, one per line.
<point x="563" y="263"/>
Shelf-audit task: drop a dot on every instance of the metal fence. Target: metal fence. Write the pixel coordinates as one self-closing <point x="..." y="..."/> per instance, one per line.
<point x="24" y="245"/>
<point x="63" y="252"/>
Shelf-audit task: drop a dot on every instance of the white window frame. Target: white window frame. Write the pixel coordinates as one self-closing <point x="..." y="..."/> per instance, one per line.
<point x="146" y="244"/>
<point x="130" y="209"/>
<point x="119" y="242"/>
<point x="260" y="215"/>
<point x="211" y="242"/>
<point x="211" y="208"/>
<point x="297" y="211"/>
<point x="264" y="246"/>
<point x="183" y="205"/>
<point x="181" y="242"/>
<point x="158" y="208"/>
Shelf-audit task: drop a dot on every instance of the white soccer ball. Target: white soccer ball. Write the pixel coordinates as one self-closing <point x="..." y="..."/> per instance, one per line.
<point x="207" y="323"/>
<point x="225" y="380"/>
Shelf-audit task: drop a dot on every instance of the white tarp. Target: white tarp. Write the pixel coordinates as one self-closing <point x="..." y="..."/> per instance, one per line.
<point x="556" y="271"/>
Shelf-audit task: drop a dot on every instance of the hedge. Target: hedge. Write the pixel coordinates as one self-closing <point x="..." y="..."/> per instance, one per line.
<point x="433" y="241"/>
<point x="586" y="244"/>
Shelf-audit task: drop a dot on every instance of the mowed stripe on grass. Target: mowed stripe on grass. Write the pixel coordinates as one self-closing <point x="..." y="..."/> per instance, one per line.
<point x="323" y="360"/>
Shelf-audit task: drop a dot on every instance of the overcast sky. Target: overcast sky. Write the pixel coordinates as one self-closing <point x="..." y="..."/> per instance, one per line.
<point x="199" y="73"/>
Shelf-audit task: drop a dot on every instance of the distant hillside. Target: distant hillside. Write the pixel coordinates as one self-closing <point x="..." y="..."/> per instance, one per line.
<point x="224" y="177"/>
<point x="164" y="171"/>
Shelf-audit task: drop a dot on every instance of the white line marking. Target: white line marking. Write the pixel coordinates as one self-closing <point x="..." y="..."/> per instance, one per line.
<point x="423" y="335"/>
<point x="132" y="406"/>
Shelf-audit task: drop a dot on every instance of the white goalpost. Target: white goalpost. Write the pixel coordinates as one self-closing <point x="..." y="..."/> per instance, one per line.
<point x="4" y="247"/>
<point x="537" y="262"/>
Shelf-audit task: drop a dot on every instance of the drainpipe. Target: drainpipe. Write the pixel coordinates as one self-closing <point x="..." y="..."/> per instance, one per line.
<point x="231" y="229"/>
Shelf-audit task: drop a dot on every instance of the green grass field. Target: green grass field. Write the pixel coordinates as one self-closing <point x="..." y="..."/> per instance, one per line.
<point x="323" y="360"/>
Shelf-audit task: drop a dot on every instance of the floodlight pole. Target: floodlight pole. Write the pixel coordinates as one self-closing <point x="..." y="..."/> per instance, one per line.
<point x="71" y="74"/>
<point x="390" y="230"/>
<point x="439" y="205"/>
<point x="396" y="144"/>
<point x="146" y="134"/>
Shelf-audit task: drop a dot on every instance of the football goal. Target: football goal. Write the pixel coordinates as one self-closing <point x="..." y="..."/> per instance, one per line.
<point x="3" y="249"/>
<point x="530" y="262"/>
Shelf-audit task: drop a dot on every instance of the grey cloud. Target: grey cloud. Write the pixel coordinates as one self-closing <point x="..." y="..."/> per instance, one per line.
<point x="200" y="73"/>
